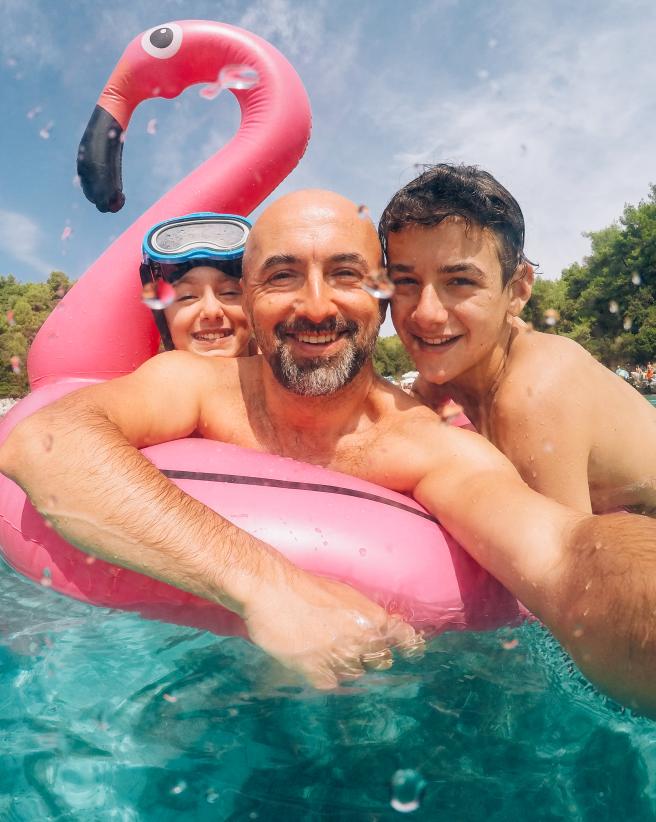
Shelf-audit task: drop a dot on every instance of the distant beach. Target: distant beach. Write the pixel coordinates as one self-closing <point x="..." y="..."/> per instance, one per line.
<point x="6" y="404"/>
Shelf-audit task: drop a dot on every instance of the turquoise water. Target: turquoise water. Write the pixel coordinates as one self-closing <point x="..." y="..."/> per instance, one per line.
<point x="104" y="716"/>
<point x="652" y="399"/>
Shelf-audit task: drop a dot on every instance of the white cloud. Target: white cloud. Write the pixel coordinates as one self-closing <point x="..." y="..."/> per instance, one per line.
<point x="22" y="238"/>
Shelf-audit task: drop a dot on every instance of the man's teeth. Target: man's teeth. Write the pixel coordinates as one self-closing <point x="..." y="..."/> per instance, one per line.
<point x="316" y="339"/>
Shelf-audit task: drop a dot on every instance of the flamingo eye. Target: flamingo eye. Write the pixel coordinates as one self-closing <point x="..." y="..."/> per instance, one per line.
<point x="162" y="41"/>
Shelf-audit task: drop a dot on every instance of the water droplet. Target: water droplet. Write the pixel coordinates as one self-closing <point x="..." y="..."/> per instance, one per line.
<point x="158" y="295"/>
<point x="89" y="560"/>
<point x="10" y="317"/>
<point x="46" y="578"/>
<point x="408" y="788"/>
<point x="66" y="233"/>
<point x="378" y="284"/>
<point x="156" y="90"/>
<point x="15" y="362"/>
<point x="211" y="796"/>
<point x="363" y="212"/>
<point x="238" y="77"/>
<point x="578" y="632"/>
<point x="628" y="322"/>
<point x="450" y="412"/>
<point x="60" y="292"/>
<point x="509" y="644"/>
<point x="76" y="181"/>
<point x="31" y="114"/>
<point x="492" y="43"/>
<point x="179" y="787"/>
<point x="170" y="698"/>
<point x="362" y="552"/>
<point x="548" y="447"/>
<point x="613" y="307"/>
<point x="482" y="74"/>
<point x="44" y="133"/>
<point x="551" y="316"/>
<point x="151" y="126"/>
<point x="210" y="91"/>
<point x="636" y="279"/>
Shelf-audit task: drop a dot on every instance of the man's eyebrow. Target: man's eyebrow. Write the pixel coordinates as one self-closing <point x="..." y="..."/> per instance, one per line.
<point x="279" y="259"/>
<point x="352" y="257"/>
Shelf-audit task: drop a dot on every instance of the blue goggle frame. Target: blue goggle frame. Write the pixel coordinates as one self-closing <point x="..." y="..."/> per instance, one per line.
<point x="200" y="236"/>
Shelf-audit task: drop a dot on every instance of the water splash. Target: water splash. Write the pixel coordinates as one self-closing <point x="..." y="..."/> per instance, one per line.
<point x="158" y="296"/>
<point x="551" y="317"/>
<point x="378" y="284"/>
<point x="407" y="790"/>
<point x="237" y="77"/>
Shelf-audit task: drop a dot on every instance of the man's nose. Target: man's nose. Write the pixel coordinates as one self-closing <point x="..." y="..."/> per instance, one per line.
<point x="430" y="310"/>
<point x="210" y="306"/>
<point x="316" y="298"/>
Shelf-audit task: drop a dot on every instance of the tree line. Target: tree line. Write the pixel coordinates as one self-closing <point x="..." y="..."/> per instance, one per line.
<point x="607" y="303"/>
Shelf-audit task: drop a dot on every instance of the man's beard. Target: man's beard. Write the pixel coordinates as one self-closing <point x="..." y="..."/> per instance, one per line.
<point x="318" y="376"/>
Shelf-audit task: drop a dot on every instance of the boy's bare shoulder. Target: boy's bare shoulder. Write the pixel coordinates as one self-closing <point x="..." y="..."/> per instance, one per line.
<point x="544" y="369"/>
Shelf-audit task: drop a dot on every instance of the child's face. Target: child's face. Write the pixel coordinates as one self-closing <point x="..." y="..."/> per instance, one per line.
<point x="206" y="316"/>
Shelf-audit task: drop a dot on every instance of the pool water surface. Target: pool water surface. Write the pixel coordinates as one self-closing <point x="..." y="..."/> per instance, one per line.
<point x="105" y="716"/>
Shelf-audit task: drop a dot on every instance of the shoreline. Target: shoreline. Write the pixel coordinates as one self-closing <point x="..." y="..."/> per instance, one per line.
<point x="6" y="404"/>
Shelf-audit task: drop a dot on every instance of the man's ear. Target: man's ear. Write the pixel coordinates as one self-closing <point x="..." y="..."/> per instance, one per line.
<point x="521" y="287"/>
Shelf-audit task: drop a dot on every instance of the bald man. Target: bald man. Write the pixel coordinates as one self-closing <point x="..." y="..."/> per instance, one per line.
<point x="313" y="395"/>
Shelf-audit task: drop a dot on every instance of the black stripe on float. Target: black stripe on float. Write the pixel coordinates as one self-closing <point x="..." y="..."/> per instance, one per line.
<point x="236" y="479"/>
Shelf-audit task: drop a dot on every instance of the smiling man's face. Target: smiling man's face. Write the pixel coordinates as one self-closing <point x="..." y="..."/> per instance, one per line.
<point x="304" y="265"/>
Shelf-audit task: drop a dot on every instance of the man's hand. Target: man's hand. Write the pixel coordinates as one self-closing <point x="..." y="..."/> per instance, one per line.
<point x="324" y="630"/>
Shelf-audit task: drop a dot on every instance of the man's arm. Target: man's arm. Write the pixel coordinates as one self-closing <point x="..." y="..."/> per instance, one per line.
<point x="590" y="579"/>
<point x="77" y="461"/>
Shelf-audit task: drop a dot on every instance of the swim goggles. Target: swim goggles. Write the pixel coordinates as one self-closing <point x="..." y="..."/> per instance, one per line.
<point x="174" y="246"/>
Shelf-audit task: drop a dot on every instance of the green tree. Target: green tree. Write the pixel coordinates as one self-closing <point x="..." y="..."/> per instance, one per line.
<point x="390" y="357"/>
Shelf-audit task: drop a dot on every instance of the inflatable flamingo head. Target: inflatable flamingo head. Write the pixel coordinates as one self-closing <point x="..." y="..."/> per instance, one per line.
<point x="162" y="62"/>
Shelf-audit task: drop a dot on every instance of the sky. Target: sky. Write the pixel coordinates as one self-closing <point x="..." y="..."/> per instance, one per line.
<point x="556" y="99"/>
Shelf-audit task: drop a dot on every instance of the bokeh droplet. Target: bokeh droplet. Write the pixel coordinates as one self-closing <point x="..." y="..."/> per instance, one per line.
<point x="628" y="322"/>
<point x="238" y="77"/>
<point x="151" y="127"/>
<point x="378" y="284"/>
<point x="636" y="279"/>
<point x="613" y="307"/>
<point x="66" y="233"/>
<point x="407" y="790"/>
<point x="551" y="316"/>
<point x="158" y="295"/>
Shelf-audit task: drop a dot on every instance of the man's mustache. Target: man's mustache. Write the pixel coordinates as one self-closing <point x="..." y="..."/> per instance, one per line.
<point x="331" y="325"/>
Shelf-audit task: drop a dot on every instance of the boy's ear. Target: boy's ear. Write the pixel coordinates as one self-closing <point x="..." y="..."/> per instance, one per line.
<point x="521" y="287"/>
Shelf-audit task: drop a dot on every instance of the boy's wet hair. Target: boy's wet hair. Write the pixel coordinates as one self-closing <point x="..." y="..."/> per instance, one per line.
<point x="468" y="192"/>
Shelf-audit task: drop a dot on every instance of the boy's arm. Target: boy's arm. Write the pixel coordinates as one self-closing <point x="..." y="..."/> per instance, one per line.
<point x="591" y="580"/>
<point x="77" y="461"/>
